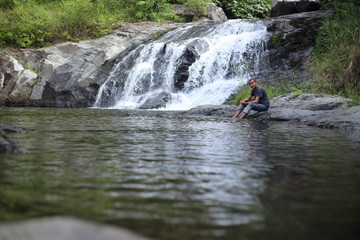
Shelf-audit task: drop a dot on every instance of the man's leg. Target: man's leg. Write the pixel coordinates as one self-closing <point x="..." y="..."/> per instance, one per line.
<point x="243" y="115"/>
<point x="240" y="109"/>
<point x="255" y="107"/>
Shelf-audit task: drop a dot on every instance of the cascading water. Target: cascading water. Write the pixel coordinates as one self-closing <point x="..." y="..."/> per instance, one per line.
<point x="186" y="68"/>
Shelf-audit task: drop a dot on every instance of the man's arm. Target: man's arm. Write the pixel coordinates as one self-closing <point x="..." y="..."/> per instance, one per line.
<point x="257" y="99"/>
<point x="245" y="101"/>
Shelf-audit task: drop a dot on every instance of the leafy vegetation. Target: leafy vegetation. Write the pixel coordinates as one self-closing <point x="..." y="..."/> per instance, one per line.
<point x="246" y="8"/>
<point x="54" y="21"/>
<point x="335" y="63"/>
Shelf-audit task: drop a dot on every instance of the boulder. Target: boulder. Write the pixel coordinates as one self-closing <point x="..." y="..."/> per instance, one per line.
<point x="285" y="7"/>
<point x="216" y="13"/>
<point x="60" y="228"/>
<point x="6" y="145"/>
<point x="213" y="110"/>
<point x="192" y="52"/>
<point x="156" y="101"/>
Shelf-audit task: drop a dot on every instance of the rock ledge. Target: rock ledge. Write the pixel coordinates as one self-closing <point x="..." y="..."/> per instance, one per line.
<point x="312" y="109"/>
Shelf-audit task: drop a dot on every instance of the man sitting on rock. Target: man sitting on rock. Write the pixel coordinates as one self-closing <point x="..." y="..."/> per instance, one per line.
<point x="261" y="102"/>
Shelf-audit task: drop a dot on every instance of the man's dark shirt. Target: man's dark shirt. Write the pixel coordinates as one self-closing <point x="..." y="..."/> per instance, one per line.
<point x="260" y="92"/>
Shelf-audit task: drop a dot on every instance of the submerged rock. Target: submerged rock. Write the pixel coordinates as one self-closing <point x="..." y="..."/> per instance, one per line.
<point x="156" y="101"/>
<point x="64" y="228"/>
<point x="6" y="145"/>
<point x="316" y="110"/>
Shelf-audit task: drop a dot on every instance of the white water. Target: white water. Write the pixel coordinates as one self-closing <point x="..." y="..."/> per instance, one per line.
<point x="213" y="77"/>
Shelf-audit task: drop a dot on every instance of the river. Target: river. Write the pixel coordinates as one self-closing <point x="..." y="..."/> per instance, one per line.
<point x="170" y="176"/>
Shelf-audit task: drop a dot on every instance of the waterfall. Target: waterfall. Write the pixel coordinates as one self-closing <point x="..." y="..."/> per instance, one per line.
<point x="186" y="67"/>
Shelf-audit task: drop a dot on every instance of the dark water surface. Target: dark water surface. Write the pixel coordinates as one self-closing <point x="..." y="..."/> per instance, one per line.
<point x="170" y="176"/>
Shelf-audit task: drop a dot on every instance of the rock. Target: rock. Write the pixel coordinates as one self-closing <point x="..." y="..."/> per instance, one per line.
<point x="7" y="146"/>
<point x="60" y="228"/>
<point x="314" y="102"/>
<point x="312" y="109"/>
<point x="285" y="7"/>
<point x="216" y="13"/>
<point x="157" y="101"/>
<point x="213" y="110"/>
<point x="192" y="52"/>
<point x="9" y="128"/>
<point x="292" y="41"/>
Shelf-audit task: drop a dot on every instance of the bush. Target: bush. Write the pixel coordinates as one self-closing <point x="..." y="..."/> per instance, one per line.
<point x="7" y="4"/>
<point x="38" y="23"/>
<point x="245" y="8"/>
<point x="23" y="28"/>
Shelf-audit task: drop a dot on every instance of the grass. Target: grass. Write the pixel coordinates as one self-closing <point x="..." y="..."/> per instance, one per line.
<point x="51" y="22"/>
<point x="335" y="63"/>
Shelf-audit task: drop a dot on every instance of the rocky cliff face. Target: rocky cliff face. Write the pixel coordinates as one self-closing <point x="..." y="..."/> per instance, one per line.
<point x="70" y="74"/>
<point x="292" y="41"/>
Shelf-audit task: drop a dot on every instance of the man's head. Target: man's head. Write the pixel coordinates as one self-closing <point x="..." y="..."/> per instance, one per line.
<point x="252" y="83"/>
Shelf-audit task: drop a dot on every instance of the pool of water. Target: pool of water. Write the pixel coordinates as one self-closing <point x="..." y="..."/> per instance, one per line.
<point x="170" y="176"/>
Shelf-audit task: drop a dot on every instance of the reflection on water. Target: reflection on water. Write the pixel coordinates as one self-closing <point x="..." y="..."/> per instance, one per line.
<point x="170" y="176"/>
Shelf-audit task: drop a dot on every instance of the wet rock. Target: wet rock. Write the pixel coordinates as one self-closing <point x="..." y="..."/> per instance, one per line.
<point x="285" y="7"/>
<point x="192" y="53"/>
<point x="60" y="228"/>
<point x="7" y="146"/>
<point x="292" y="41"/>
<point x="156" y="101"/>
<point x="213" y="110"/>
<point x="9" y="128"/>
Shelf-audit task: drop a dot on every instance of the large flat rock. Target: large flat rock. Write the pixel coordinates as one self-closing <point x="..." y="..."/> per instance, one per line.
<point x="313" y="109"/>
<point x="64" y="228"/>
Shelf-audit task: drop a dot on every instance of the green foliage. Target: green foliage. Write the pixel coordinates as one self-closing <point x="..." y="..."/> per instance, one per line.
<point x="245" y="8"/>
<point x="53" y="21"/>
<point x="335" y="63"/>
<point x="7" y="4"/>
<point x="23" y="28"/>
